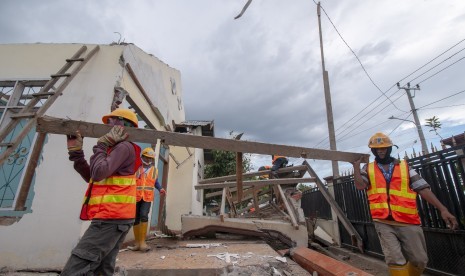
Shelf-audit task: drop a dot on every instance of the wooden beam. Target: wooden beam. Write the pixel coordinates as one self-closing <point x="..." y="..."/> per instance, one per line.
<point x="255" y="198"/>
<point x="232" y="207"/>
<point x="239" y="175"/>
<point x="288" y="207"/>
<point x="144" y="94"/>
<point x="223" y="203"/>
<point x="251" y="174"/>
<point x="257" y="183"/>
<point x="62" y="126"/>
<point x="30" y="172"/>
<point x="30" y="106"/>
<point x="355" y="237"/>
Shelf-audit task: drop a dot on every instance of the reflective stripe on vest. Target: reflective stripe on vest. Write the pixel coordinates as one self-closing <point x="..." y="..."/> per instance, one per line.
<point x="145" y="184"/>
<point x="402" y="200"/>
<point x="113" y="198"/>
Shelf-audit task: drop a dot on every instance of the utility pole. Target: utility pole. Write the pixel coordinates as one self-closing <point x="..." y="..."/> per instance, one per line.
<point x="407" y="89"/>
<point x="329" y="107"/>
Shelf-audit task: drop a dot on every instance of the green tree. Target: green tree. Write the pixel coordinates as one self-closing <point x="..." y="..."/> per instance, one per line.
<point x="435" y="124"/>
<point x="302" y="187"/>
<point x="224" y="163"/>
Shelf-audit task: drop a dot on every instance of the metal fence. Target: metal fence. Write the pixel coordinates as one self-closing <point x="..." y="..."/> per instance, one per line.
<point x="315" y="205"/>
<point x="445" y="172"/>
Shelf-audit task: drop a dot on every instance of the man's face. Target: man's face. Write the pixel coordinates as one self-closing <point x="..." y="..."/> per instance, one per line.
<point x="119" y="121"/>
<point x="381" y="152"/>
<point x="147" y="160"/>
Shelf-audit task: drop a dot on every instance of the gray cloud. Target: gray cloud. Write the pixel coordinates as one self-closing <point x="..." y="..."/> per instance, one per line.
<point x="261" y="74"/>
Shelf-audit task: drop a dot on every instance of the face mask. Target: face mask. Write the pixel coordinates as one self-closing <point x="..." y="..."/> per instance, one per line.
<point x="387" y="158"/>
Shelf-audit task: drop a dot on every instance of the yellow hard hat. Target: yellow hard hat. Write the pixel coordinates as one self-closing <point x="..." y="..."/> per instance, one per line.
<point x="121" y="112"/>
<point x="379" y="140"/>
<point x="148" y="152"/>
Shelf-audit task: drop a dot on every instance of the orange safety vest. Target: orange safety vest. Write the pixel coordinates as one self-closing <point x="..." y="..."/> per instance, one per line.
<point x="399" y="200"/>
<point x="277" y="156"/>
<point x="146" y="184"/>
<point x="113" y="198"/>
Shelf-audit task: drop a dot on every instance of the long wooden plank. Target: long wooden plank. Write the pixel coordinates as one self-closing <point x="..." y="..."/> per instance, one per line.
<point x="251" y="174"/>
<point x="340" y="214"/>
<point x="30" y="171"/>
<point x="256" y="183"/>
<point x="239" y="175"/>
<point x="62" y="126"/>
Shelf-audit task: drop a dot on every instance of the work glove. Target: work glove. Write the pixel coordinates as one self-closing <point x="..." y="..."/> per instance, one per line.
<point x="114" y="136"/>
<point x="162" y="191"/>
<point x="74" y="142"/>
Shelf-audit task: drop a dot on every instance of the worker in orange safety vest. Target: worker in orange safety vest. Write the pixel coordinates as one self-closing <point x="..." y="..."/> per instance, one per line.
<point x="278" y="162"/>
<point x="110" y="199"/>
<point x="147" y="180"/>
<point x="392" y="188"/>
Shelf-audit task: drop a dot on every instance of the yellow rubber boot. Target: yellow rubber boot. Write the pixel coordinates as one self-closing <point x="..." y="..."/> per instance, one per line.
<point x="136" y="247"/>
<point x="143" y="233"/>
<point x="414" y="271"/>
<point x="399" y="270"/>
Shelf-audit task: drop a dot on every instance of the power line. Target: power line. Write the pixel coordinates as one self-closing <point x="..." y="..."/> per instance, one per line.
<point x="440" y="70"/>
<point x="424" y="65"/>
<point x="358" y="59"/>
<point x="460" y="92"/>
<point x="447" y="106"/>
<point x="384" y="93"/>
<point x="444" y="60"/>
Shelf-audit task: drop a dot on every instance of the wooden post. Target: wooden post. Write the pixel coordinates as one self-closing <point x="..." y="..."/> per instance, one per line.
<point x="239" y="175"/>
<point x="356" y="239"/>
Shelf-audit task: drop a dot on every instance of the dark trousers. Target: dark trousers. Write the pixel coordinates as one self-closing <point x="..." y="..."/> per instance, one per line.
<point x="95" y="254"/>
<point x="142" y="211"/>
<point x="279" y="163"/>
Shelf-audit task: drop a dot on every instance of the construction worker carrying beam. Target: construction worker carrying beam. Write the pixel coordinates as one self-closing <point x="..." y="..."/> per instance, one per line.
<point x="110" y="199"/>
<point x="392" y="188"/>
<point x="146" y="181"/>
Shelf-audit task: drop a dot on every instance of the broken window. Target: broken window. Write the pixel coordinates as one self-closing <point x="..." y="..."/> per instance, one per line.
<point x="17" y="171"/>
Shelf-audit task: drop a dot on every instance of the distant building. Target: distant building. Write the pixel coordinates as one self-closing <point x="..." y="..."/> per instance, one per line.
<point x="456" y="140"/>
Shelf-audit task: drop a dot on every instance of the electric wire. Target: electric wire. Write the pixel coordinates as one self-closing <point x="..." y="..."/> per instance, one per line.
<point x="456" y="53"/>
<point x="384" y="93"/>
<point x="358" y="59"/>
<point x="447" y="106"/>
<point x="460" y="92"/>
<point x="440" y="71"/>
<point x="424" y="65"/>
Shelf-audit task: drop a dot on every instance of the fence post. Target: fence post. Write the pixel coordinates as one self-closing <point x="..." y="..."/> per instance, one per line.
<point x="335" y="221"/>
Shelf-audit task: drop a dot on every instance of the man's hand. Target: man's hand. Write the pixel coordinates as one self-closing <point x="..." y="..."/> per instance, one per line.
<point x="74" y="142"/>
<point x="451" y="221"/>
<point x="114" y="136"/>
<point x="162" y="191"/>
<point x="357" y="163"/>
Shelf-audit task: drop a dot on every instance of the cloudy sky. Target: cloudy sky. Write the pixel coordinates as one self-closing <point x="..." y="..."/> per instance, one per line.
<point x="261" y="74"/>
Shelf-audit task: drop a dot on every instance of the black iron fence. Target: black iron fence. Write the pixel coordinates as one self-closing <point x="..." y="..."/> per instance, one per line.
<point x="445" y="172"/>
<point x="315" y="205"/>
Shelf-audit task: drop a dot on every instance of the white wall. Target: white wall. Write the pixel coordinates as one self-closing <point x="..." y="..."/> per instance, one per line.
<point x="45" y="237"/>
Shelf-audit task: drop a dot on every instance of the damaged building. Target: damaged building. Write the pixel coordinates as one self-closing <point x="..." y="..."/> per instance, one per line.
<point x="40" y="193"/>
